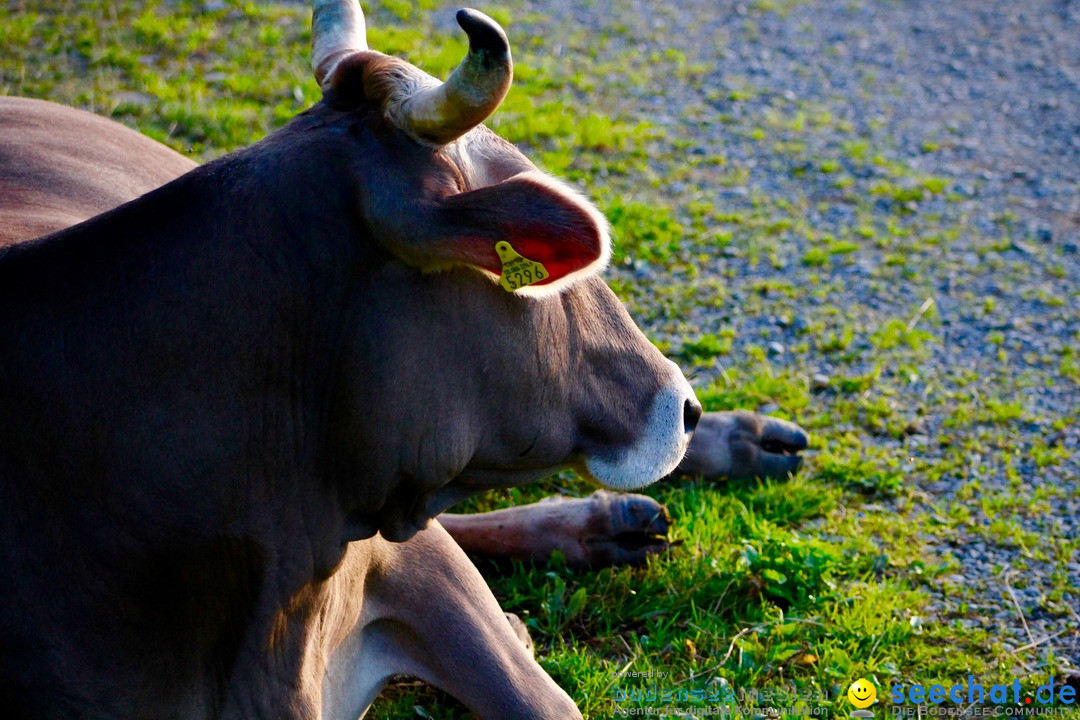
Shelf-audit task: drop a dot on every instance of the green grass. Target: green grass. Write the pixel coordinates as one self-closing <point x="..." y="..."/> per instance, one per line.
<point x="812" y="582"/>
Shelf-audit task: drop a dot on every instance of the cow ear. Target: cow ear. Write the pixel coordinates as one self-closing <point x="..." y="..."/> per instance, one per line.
<point x="532" y="233"/>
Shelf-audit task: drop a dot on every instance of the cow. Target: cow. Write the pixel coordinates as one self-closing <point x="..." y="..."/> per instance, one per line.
<point x="229" y="408"/>
<point x="63" y="166"/>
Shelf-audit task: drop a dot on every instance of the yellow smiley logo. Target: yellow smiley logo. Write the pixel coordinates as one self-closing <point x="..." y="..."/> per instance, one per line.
<point x="862" y="693"/>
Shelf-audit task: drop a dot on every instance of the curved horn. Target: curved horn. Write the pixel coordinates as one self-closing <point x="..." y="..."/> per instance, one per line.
<point x="337" y="30"/>
<point x="445" y="112"/>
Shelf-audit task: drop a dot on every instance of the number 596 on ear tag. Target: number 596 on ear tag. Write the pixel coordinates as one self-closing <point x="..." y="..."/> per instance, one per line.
<point x="518" y="271"/>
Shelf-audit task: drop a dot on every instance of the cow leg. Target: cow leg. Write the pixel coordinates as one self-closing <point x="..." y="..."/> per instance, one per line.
<point x="607" y="528"/>
<point x="742" y="444"/>
<point x="602" y="529"/>
<point x="428" y="613"/>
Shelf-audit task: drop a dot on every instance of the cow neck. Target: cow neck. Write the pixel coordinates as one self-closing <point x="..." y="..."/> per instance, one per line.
<point x="191" y="316"/>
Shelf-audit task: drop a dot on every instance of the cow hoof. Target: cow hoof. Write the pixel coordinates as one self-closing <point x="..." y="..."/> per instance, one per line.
<point x="521" y="631"/>
<point x="742" y="444"/>
<point x="617" y="529"/>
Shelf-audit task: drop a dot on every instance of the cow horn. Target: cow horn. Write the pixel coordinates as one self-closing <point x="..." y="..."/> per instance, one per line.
<point x="337" y="30"/>
<point x="445" y="112"/>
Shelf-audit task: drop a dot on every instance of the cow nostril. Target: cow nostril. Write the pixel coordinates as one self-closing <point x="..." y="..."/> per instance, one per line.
<point x="691" y="414"/>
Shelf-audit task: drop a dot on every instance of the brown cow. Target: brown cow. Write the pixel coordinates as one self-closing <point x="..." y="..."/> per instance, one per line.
<point x="206" y="393"/>
<point x="61" y="165"/>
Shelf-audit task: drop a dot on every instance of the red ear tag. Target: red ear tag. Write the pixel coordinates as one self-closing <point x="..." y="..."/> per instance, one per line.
<point x="518" y="271"/>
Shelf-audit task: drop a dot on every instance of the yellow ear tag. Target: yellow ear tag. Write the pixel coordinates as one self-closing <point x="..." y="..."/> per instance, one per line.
<point x="518" y="271"/>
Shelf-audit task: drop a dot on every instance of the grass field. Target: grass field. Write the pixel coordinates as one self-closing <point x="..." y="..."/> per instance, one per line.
<point x="839" y="573"/>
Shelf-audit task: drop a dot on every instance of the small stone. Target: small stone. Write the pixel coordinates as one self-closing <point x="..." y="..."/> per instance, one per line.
<point x="819" y="382"/>
<point x="776" y="349"/>
<point x="135" y="99"/>
<point x="915" y="427"/>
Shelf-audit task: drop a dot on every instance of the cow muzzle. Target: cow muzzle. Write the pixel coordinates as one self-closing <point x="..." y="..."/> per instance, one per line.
<point x="672" y="417"/>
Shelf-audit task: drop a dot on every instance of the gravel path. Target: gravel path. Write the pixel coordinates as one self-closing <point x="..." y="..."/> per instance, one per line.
<point x="982" y="95"/>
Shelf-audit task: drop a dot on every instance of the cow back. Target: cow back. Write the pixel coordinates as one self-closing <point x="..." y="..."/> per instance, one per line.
<point x="60" y="166"/>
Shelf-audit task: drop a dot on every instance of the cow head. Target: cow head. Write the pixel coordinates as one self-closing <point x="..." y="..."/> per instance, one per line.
<point x="491" y="353"/>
